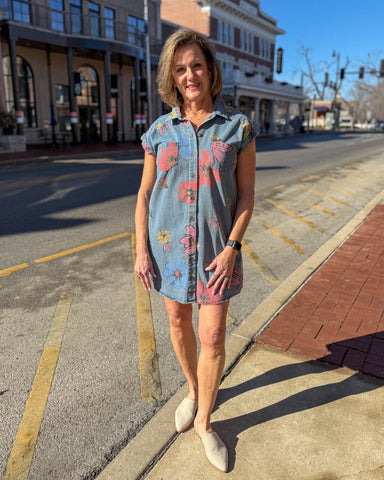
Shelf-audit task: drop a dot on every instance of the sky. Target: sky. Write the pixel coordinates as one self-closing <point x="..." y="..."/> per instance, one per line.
<point x="351" y="28"/>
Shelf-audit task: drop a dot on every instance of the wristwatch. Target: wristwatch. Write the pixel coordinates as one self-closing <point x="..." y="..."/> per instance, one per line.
<point x="234" y="244"/>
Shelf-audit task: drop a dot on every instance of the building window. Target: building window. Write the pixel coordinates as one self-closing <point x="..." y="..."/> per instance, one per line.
<point x="109" y="22"/>
<point x="94" y="19"/>
<point x="76" y="20"/>
<point x="231" y="35"/>
<point x="219" y="30"/>
<point x="265" y="48"/>
<point x="57" y="15"/>
<point x="26" y="88"/>
<point x="17" y="10"/>
<point x="136" y="30"/>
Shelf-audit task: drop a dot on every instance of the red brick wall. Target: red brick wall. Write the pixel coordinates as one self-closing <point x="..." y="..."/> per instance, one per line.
<point x="187" y="13"/>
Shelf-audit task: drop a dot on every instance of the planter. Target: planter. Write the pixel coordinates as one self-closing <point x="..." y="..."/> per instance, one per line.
<point x="13" y="143"/>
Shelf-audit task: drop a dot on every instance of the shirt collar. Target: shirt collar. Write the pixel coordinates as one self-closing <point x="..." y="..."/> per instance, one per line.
<point x="218" y="109"/>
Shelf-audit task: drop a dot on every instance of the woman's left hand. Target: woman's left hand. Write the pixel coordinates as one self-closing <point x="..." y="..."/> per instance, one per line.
<point x="223" y="266"/>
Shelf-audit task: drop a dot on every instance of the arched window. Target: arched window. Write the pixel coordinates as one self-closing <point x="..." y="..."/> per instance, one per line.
<point x="26" y="87"/>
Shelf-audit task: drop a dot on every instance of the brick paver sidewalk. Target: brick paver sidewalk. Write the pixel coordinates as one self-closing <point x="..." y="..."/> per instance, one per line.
<point x="337" y="316"/>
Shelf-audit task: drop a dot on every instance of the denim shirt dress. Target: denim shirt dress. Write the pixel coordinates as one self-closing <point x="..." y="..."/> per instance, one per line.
<point x="194" y="199"/>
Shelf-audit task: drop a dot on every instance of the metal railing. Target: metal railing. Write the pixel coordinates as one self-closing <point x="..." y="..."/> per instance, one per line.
<point x="75" y="23"/>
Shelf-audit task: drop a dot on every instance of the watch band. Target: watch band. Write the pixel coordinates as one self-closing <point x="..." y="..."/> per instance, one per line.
<point x="234" y="244"/>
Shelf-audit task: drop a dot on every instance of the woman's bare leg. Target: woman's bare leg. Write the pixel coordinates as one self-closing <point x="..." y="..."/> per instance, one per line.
<point x="212" y="327"/>
<point x="184" y="341"/>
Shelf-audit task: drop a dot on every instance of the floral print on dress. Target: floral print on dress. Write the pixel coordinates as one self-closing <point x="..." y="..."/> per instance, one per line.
<point x="164" y="238"/>
<point x="176" y="274"/>
<point x="188" y="192"/>
<point x="189" y="240"/>
<point x="208" y="174"/>
<point x="193" y="202"/>
<point x="219" y="149"/>
<point x="169" y="157"/>
<point x="204" y="295"/>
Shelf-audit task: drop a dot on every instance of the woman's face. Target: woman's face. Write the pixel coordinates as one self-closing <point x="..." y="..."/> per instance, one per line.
<point x="191" y="74"/>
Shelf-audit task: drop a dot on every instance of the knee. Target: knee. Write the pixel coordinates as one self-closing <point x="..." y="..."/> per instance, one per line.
<point x="213" y="339"/>
<point x="178" y="323"/>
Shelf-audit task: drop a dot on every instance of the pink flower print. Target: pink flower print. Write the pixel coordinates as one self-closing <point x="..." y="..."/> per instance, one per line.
<point x="237" y="278"/>
<point x="218" y="150"/>
<point x="189" y="240"/>
<point x="216" y="224"/>
<point x="205" y="296"/>
<point x="162" y="127"/>
<point x="208" y="174"/>
<point x="185" y="123"/>
<point x="148" y="149"/>
<point x="188" y="192"/>
<point x="169" y="157"/>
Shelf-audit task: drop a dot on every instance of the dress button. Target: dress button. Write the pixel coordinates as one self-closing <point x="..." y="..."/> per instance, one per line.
<point x="191" y="219"/>
<point x="200" y="134"/>
<point x="193" y="198"/>
<point x="193" y="175"/>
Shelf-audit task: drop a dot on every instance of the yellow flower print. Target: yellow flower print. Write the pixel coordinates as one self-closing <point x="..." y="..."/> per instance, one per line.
<point x="228" y="202"/>
<point x="246" y="129"/>
<point x="163" y="236"/>
<point x="164" y="239"/>
<point x="172" y="115"/>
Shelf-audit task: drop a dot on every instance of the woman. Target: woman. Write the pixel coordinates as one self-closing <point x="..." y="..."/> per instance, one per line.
<point x="193" y="207"/>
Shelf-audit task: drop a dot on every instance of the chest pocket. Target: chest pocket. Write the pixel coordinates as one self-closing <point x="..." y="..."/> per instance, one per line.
<point x="223" y="156"/>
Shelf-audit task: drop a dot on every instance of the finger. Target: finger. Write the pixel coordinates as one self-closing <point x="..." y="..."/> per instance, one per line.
<point x="224" y="284"/>
<point x="211" y="266"/>
<point x="213" y="279"/>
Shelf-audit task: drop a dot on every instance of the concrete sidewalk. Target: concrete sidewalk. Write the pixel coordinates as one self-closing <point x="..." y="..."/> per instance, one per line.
<point x="302" y="398"/>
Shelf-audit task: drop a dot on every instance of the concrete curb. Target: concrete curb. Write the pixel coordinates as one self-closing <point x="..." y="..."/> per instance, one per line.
<point x="152" y="442"/>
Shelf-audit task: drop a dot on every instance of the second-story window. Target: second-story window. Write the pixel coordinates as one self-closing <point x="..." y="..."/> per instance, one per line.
<point x="136" y="30"/>
<point x="94" y="19"/>
<point x="219" y="30"/>
<point x="76" y="20"/>
<point x="17" y="10"/>
<point x="109" y="22"/>
<point x="57" y="15"/>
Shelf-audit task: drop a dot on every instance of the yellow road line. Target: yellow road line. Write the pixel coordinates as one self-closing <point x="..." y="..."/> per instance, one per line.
<point x="148" y="362"/>
<point x="82" y="247"/>
<point x="347" y="183"/>
<point x="7" y="271"/>
<point x="312" y="177"/>
<point x="260" y="264"/>
<point x="332" y="199"/>
<point x="286" y="239"/>
<point x="279" y="187"/>
<point x="294" y="215"/>
<point x="350" y="193"/>
<point x="331" y="214"/>
<point x="20" y="459"/>
<point x="69" y="176"/>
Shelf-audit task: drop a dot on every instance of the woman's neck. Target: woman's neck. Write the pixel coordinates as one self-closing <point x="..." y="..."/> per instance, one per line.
<point x="196" y="113"/>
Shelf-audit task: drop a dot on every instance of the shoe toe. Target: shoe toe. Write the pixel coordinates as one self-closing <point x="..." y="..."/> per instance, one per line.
<point x="185" y="414"/>
<point x="216" y="451"/>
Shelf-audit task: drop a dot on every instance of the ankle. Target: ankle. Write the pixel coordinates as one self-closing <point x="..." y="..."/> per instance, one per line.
<point x="202" y="427"/>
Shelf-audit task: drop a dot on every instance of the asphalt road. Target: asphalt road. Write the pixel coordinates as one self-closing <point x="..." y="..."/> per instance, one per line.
<point x="76" y="383"/>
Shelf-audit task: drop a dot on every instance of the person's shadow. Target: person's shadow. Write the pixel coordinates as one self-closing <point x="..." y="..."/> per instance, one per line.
<point x="313" y="397"/>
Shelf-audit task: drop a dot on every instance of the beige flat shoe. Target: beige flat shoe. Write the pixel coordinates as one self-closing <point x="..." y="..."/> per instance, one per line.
<point x="216" y="451"/>
<point x="185" y="414"/>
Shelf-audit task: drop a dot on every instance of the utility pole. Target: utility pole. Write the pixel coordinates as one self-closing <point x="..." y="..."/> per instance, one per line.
<point x="148" y="63"/>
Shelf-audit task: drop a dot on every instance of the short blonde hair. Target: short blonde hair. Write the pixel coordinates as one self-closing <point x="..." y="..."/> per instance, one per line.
<point x="182" y="38"/>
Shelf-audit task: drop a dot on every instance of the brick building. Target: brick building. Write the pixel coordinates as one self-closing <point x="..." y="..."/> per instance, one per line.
<point x="75" y="68"/>
<point x="244" y="38"/>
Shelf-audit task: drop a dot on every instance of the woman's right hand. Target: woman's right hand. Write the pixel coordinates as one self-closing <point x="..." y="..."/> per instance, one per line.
<point x="144" y="269"/>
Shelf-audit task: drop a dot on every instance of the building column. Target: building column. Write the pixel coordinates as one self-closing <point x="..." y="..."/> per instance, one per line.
<point x="15" y="83"/>
<point x="256" y="116"/>
<point x="107" y="81"/>
<point x="72" y="99"/>
<point x="271" y="117"/>
<point x="287" y="118"/>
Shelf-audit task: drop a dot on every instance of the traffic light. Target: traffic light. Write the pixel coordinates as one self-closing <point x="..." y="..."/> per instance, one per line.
<point x="381" y="74"/>
<point x="342" y="73"/>
<point x="361" y="72"/>
<point x="279" y="64"/>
